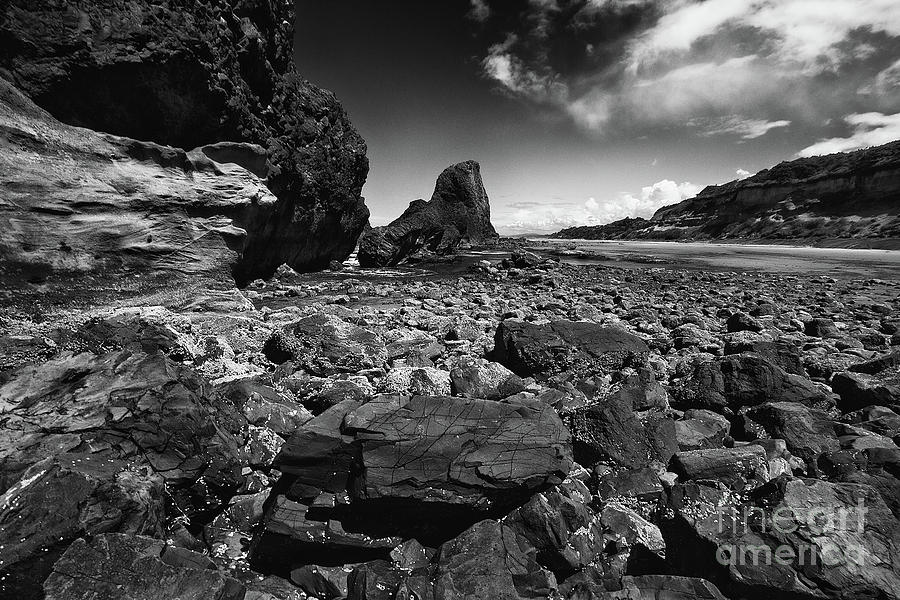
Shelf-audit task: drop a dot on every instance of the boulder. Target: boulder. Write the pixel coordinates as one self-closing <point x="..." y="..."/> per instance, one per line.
<point x="579" y="349"/>
<point x="479" y="378"/>
<point x="64" y="497"/>
<point x="859" y="390"/>
<point x="324" y="344"/>
<point x="793" y="538"/>
<point x="130" y="567"/>
<point x="611" y="431"/>
<point x="566" y="532"/>
<point x="735" y="467"/>
<point x="806" y="431"/>
<point x="701" y="429"/>
<point x="186" y="76"/>
<point x="459" y="211"/>
<point x="489" y="560"/>
<point x="739" y="380"/>
<point x="424" y="467"/>
<point x="416" y="381"/>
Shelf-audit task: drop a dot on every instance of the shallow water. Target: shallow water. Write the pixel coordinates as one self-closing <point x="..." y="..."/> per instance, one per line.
<point x="834" y="262"/>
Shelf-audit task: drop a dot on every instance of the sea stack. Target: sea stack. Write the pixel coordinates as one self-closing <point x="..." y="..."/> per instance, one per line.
<point x="459" y="212"/>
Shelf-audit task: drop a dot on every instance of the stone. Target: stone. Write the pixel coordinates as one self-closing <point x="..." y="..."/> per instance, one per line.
<point x="459" y="211"/>
<point x="67" y="496"/>
<point x="489" y="560"/>
<point x="422" y="466"/>
<point x="611" y="431"/>
<point x="742" y="380"/>
<point x="837" y="540"/>
<point x="324" y="344"/>
<point x="479" y="378"/>
<point x="822" y="328"/>
<point x="129" y="567"/>
<point x="859" y="390"/>
<point x="579" y="349"/>
<point x="806" y="431"/>
<point x="416" y="381"/>
<point x="735" y="467"/>
<point x="741" y="321"/>
<point x="701" y="429"/>
<point x="566" y="532"/>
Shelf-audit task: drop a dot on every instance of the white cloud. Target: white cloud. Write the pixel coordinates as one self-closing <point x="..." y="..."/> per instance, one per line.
<point x="804" y="32"/>
<point x="743" y="173"/>
<point x="549" y="218"/>
<point x="747" y="129"/>
<point x="869" y="129"/>
<point x="765" y="60"/>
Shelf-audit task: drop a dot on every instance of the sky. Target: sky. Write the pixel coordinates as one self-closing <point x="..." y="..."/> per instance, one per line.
<point x="588" y="111"/>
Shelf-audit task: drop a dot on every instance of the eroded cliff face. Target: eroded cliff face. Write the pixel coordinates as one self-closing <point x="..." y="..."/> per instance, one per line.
<point x="188" y="74"/>
<point x="83" y="211"/>
<point x="849" y="195"/>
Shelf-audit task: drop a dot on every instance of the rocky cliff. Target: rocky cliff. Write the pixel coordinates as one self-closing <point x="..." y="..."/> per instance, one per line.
<point x="459" y="211"/>
<point x="189" y="74"/>
<point x="847" y="196"/>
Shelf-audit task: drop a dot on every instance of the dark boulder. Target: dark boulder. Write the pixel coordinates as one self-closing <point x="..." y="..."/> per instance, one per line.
<point x="65" y="497"/>
<point x="459" y="211"/>
<point x="806" y="431"/>
<point x="791" y="539"/>
<point x="611" y="431"/>
<point x="736" y="467"/>
<point x="126" y="567"/>
<point x="748" y="379"/>
<point x="579" y="349"/>
<point x="357" y="476"/>
<point x="741" y="321"/>
<point x="859" y="390"/>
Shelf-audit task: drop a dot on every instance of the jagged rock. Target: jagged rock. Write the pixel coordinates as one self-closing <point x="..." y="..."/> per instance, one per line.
<point x="701" y="429"/>
<point x="566" y="532"/>
<point x="422" y="466"/>
<point x="163" y="409"/>
<point x="649" y="587"/>
<point x="578" y="348"/>
<point x="858" y="390"/>
<point x="740" y="321"/>
<point x="489" y="560"/>
<point x="124" y="414"/>
<point x="611" y="431"/>
<point x="129" y="567"/>
<point x="822" y="328"/>
<point x="741" y="380"/>
<point x="64" y="497"/>
<point x="323" y="344"/>
<point x="795" y="538"/>
<point x="458" y="212"/>
<point x="806" y="431"/>
<point x="187" y="75"/>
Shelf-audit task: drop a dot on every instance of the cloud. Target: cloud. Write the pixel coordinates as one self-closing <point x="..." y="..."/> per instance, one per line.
<point x="869" y="129"/>
<point x="743" y="173"/>
<point x="479" y="11"/>
<point x="736" y="68"/>
<point x="551" y="217"/>
<point x="746" y="129"/>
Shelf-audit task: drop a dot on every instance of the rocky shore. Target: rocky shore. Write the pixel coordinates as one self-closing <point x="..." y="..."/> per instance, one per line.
<point x="527" y="429"/>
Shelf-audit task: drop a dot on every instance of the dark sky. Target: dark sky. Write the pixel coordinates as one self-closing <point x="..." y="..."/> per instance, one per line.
<point x="585" y="111"/>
